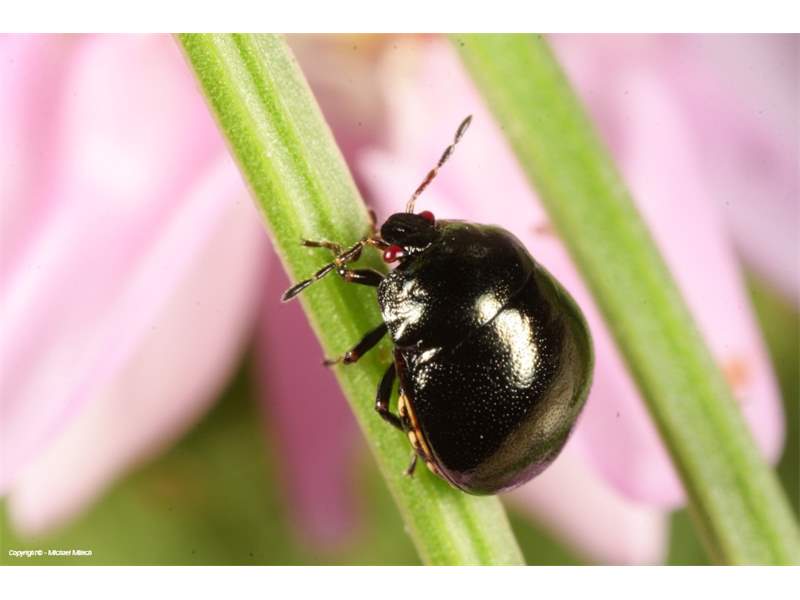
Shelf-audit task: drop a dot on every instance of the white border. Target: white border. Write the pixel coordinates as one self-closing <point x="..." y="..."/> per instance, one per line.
<point x="406" y="16"/>
<point x="401" y="583"/>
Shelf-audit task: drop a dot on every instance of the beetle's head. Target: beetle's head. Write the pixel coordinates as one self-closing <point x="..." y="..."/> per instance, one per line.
<point x="408" y="233"/>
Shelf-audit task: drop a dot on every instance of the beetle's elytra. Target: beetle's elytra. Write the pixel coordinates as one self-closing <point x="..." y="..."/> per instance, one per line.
<point x="493" y="356"/>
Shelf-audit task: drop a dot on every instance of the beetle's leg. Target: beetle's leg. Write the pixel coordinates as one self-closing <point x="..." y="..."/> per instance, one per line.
<point x="410" y="469"/>
<point x="351" y="254"/>
<point x="342" y="258"/>
<point x="373" y="224"/>
<point x="299" y="287"/>
<point x="383" y="397"/>
<point x="369" y="341"/>
<point x="332" y="246"/>
<point x="337" y="248"/>
<point x="363" y="276"/>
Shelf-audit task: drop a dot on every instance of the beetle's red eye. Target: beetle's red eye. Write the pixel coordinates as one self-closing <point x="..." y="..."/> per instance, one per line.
<point x="393" y="253"/>
<point x="426" y="214"/>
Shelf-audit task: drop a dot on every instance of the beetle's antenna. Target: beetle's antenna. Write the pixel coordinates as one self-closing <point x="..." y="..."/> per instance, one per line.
<point x="445" y="155"/>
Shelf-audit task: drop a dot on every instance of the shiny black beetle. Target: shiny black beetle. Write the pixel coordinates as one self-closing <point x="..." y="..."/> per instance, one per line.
<point x="493" y="356"/>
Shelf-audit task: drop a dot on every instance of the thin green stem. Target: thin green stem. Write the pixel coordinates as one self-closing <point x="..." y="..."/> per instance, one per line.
<point x="735" y="498"/>
<point x="304" y="190"/>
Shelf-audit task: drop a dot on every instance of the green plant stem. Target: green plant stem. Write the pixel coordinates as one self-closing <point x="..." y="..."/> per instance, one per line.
<point x="304" y="190"/>
<point x="735" y="498"/>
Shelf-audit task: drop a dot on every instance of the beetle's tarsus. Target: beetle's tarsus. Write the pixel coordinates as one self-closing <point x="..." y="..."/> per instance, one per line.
<point x="296" y="289"/>
<point x="409" y="472"/>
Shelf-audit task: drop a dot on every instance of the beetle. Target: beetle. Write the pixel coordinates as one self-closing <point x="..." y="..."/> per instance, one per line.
<point x="493" y="356"/>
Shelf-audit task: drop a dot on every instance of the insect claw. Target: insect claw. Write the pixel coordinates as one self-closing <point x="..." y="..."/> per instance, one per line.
<point x="348" y="358"/>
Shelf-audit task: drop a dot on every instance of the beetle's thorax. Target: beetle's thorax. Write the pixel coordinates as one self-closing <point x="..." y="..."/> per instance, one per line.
<point x="435" y="297"/>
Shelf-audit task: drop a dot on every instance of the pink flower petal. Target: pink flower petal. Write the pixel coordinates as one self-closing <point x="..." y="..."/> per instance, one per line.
<point x="739" y="95"/>
<point x="139" y="182"/>
<point x="194" y="342"/>
<point x="751" y="148"/>
<point x="575" y="503"/>
<point x="32" y="81"/>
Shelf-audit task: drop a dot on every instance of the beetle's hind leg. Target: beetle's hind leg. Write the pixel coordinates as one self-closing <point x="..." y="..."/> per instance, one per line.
<point x="382" y="406"/>
<point x="367" y="343"/>
<point x="383" y="397"/>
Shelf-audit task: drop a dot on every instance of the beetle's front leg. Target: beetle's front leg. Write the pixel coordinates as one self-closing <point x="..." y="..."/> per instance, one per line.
<point x="338" y="264"/>
<point x="383" y="397"/>
<point x="369" y="341"/>
<point x="332" y="246"/>
<point x="362" y="276"/>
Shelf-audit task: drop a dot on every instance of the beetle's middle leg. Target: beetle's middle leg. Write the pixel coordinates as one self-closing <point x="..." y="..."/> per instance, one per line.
<point x="367" y="343"/>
